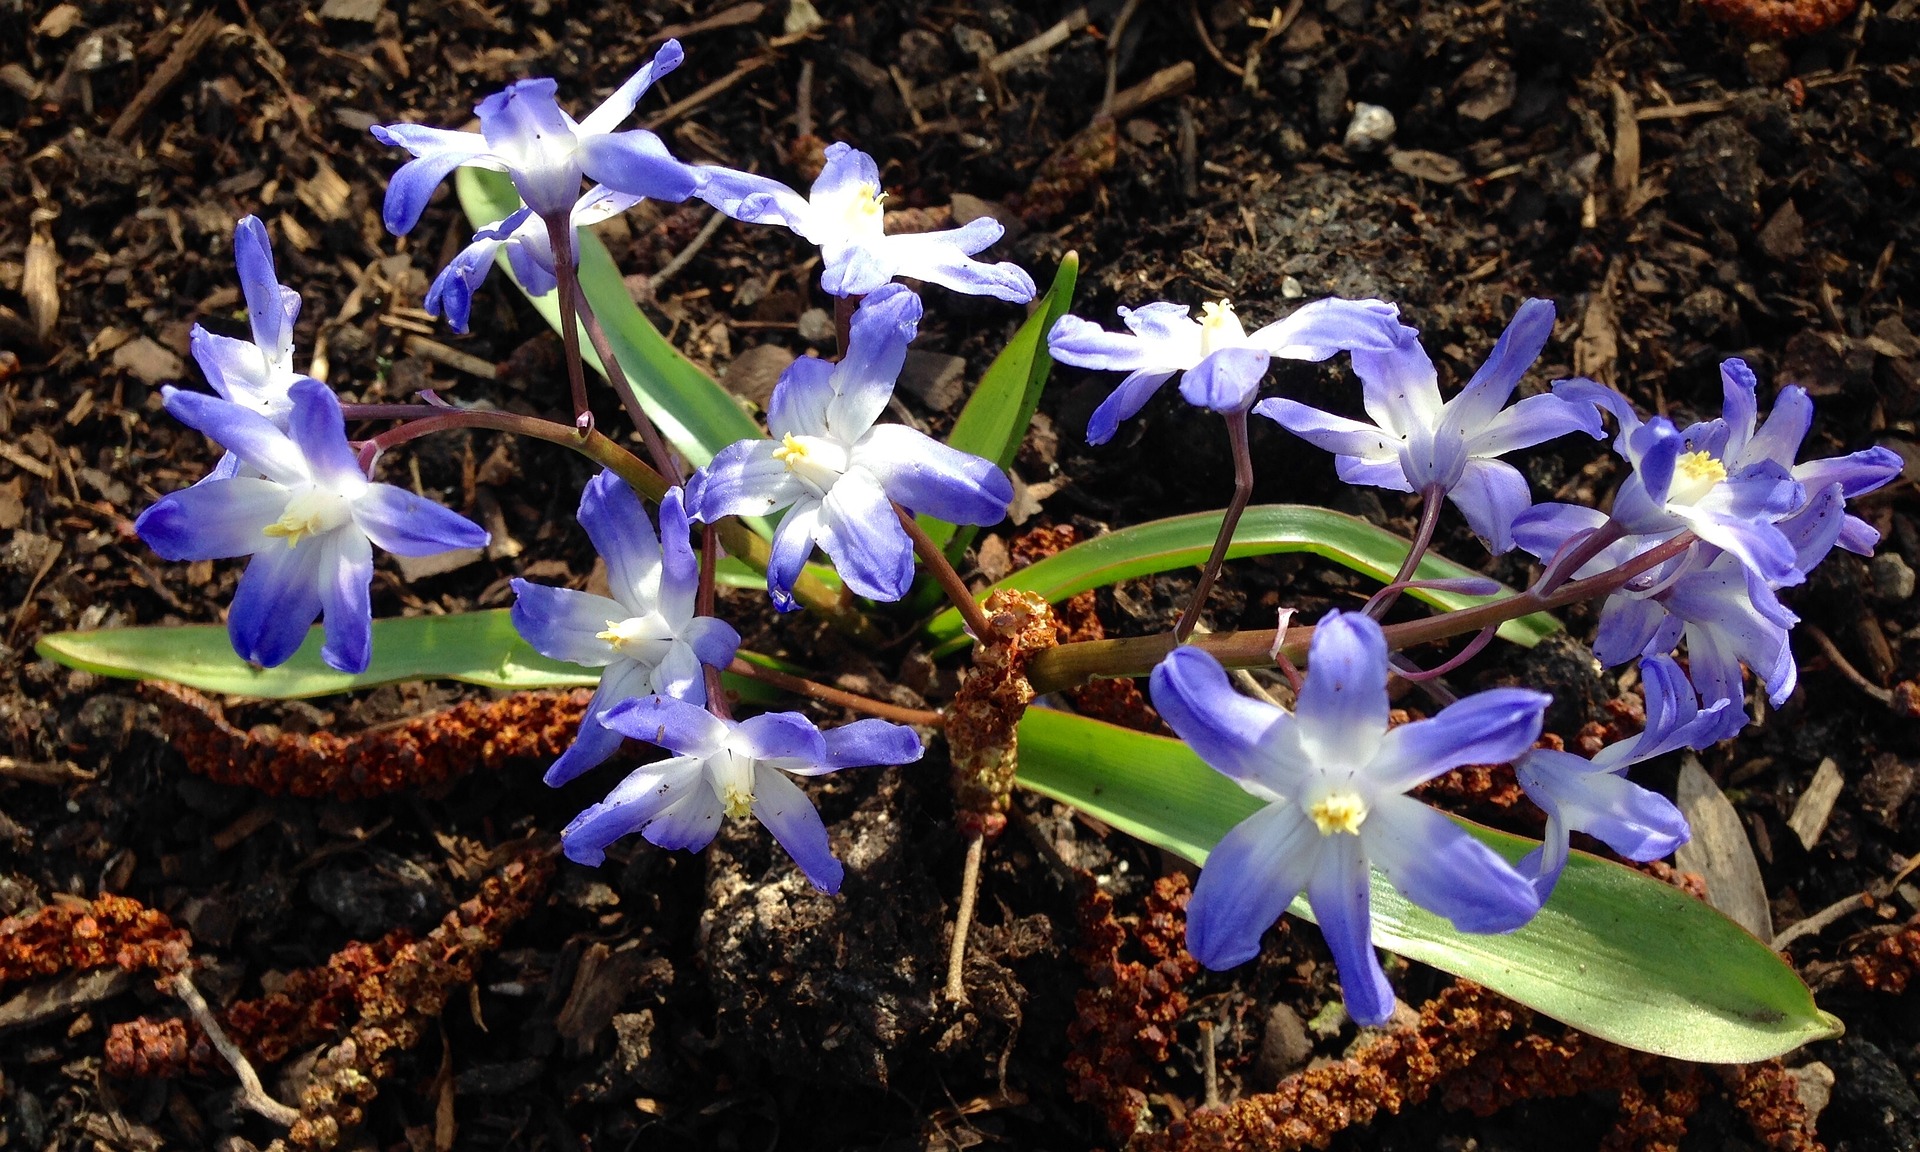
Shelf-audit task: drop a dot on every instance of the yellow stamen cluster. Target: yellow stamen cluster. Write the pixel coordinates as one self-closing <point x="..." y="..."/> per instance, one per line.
<point x="1338" y="812"/>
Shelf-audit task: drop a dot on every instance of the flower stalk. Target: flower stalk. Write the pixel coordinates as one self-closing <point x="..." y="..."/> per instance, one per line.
<point x="1242" y="493"/>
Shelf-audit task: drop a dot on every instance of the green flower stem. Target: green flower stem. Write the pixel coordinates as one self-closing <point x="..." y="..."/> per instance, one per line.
<point x="1071" y="665"/>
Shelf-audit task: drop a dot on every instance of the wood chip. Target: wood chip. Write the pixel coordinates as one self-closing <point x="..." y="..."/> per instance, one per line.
<point x="64" y="997"/>
<point x="1720" y="852"/>
<point x="327" y="193"/>
<point x="1810" y="815"/>
<point x="729" y="18"/>
<point x="1626" y="146"/>
<point x="40" y="282"/>
<point x="1429" y="166"/>
<point x="147" y="359"/>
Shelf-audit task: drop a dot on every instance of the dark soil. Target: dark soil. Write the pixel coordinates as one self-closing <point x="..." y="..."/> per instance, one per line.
<point x="1772" y="213"/>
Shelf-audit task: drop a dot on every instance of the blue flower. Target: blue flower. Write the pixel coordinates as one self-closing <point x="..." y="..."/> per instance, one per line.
<point x="1688" y="479"/>
<point x="254" y="374"/>
<point x="306" y="514"/>
<point x="1223" y="362"/>
<point x="1417" y="443"/>
<point x="842" y="215"/>
<point x="525" y="133"/>
<point x="529" y="252"/>
<point x="1594" y="796"/>
<point x="1334" y="778"/>
<point x="730" y="768"/>
<point x="1724" y="611"/>
<point x="1778" y="441"/>
<point x="838" y="473"/>
<point x="646" y="635"/>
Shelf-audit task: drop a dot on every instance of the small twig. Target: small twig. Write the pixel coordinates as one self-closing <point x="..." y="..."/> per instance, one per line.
<point x="54" y="772"/>
<point x="963" y="920"/>
<point x="827" y="694"/>
<point x="1819" y="920"/>
<point x="192" y="39"/>
<point x="252" y="1095"/>
<point x="1206" y="41"/>
<point x="1211" y="1066"/>
<point x="803" y="102"/>
<point x="687" y="254"/>
<point x="1845" y="667"/>
<point x="681" y="107"/>
<point x="452" y="357"/>
<point x="1120" y="23"/>
<point x="1040" y="45"/>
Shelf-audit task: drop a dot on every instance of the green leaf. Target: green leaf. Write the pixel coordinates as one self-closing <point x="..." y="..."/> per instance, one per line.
<point x="1184" y="541"/>
<point x="695" y="414"/>
<point x="1615" y="953"/>
<point x="997" y="415"/>
<point x="475" y="647"/>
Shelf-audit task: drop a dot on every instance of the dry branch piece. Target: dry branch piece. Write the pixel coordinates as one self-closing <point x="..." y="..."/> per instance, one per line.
<point x="1780" y="19"/>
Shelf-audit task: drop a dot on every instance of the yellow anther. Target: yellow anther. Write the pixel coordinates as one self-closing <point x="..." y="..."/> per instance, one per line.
<point x="1694" y="475"/>
<point x="310" y="513"/>
<point x="738" y="801"/>
<point x="1338" y="812"/>
<point x="791" y="452"/>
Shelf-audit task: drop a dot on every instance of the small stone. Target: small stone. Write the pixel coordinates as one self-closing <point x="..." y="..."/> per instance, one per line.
<point x="1284" y="1046"/>
<point x="1885" y="789"/>
<point x="967" y="209"/>
<point x="1371" y="128"/>
<point x="1716" y="176"/>
<point x="1892" y="579"/>
<point x="936" y="379"/>
<point x="816" y="326"/>
<point x="755" y="371"/>
<point x="1290" y="289"/>
<point x="1813" y="1083"/>
<point x="1783" y="238"/>
<point x="148" y="360"/>
<point x="414" y="569"/>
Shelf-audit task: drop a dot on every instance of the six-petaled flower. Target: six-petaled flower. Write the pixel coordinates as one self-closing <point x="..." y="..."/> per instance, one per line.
<point x="1334" y="778"/>
<point x="307" y="515"/>
<point x="843" y="215"/>
<point x="645" y="635"/>
<point x="525" y="133"/>
<point x="721" y="768"/>
<point x="1417" y="443"/>
<point x="1223" y="362"/>
<point x="838" y="473"/>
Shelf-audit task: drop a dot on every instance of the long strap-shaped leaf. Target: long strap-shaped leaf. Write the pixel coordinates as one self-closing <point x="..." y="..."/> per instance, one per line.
<point x="695" y="414"/>
<point x="1614" y="953"/>
<point x="473" y="647"/>
<point x="1183" y="541"/>
<point x="997" y="415"/>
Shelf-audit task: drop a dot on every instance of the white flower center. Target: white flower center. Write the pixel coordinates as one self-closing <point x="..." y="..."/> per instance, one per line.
<point x="1338" y="811"/>
<point x="313" y="511"/>
<point x="1219" y="327"/>
<point x="640" y="638"/>
<point x="1694" y="475"/>
<point x="860" y="213"/>
<point x="731" y="775"/>
<point x="816" y="460"/>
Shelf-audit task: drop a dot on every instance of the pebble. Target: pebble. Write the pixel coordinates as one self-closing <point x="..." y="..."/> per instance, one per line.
<point x="1371" y="128"/>
<point x="1892" y="579"/>
<point x="1290" y="289"/>
<point x="816" y="326"/>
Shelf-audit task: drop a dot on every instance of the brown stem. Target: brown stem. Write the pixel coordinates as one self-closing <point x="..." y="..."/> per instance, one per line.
<point x="1242" y="492"/>
<point x="955" y="588"/>
<point x="560" y="240"/>
<point x="1071" y="665"/>
<point x="827" y="694"/>
<point x="738" y="540"/>
<point x="1433" y="497"/>
<point x="663" y="457"/>
<point x="703" y="604"/>
<point x="843" y="309"/>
